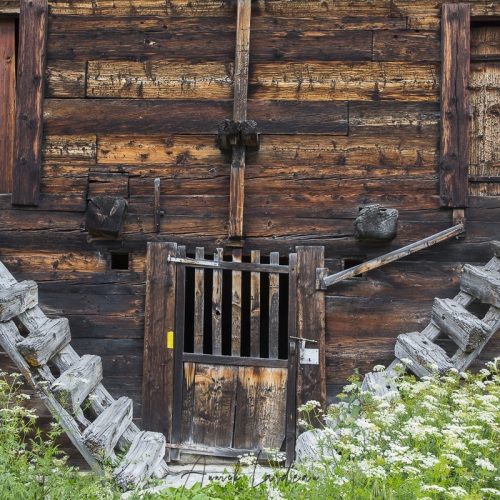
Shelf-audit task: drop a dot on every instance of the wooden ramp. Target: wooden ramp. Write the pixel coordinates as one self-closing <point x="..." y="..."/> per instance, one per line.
<point x="70" y="386"/>
<point x="450" y="318"/>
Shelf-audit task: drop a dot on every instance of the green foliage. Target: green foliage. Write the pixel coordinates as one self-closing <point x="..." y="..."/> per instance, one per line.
<point x="31" y="465"/>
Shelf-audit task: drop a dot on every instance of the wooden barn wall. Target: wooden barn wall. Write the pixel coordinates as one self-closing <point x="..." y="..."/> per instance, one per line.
<point x="346" y="96"/>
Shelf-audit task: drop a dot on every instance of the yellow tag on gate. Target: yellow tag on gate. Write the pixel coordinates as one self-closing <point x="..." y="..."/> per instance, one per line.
<point x="170" y="340"/>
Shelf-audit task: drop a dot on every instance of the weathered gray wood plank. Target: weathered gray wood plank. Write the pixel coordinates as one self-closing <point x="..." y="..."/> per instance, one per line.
<point x="482" y="284"/>
<point x="424" y="356"/>
<point x="145" y="454"/>
<point x="76" y="383"/>
<point x="465" y="329"/>
<point x="17" y="298"/>
<point x="41" y="344"/>
<point x="102" y="435"/>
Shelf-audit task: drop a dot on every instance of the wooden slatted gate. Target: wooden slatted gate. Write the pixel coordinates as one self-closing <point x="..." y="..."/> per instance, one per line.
<point x="220" y="369"/>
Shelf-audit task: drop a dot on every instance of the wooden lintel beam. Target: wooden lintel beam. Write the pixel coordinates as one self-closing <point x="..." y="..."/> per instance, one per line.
<point x="237" y="183"/>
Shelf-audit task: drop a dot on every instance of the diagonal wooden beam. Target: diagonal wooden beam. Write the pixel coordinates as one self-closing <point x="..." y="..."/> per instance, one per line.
<point x="237" y="182"/>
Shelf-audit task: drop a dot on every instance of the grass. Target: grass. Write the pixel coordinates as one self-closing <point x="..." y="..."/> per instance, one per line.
<point x="438" y="439"/>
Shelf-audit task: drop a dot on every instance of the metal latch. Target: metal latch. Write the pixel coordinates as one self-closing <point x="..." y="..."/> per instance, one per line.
<point x="307" y="356"/>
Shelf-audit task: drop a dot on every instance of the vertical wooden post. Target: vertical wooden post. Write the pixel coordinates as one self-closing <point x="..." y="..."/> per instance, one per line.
<point x="236" y="307"/>
<point x="29" y="102"/>
<point x="217" y="306"/>
<point x="7" y="101"/>
<point x="255" y="308"/>
<point x="180" y="320"/>
<point x="291" y="382"/>
<point x="311" y="384"/>
<point x="199" y="302"/>
<point x="274" y="308"/>
<point x="455" y="69"/>
<point x="237" y="181"/>
<point x="158" y="355"/>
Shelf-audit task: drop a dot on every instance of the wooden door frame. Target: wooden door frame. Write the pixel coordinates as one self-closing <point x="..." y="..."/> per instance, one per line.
<point x="158" y="395"/>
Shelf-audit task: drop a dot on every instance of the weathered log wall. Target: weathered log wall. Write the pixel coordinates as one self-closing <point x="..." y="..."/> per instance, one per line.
<point x="346" y="97"/>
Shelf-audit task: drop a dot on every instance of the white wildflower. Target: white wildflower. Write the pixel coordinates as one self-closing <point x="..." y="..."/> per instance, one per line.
<point x="457" y="492"/>
<point x="484" y="463"/>
<point x="491" y="491"/>
<point x="378" y="368"/>
<point x="433" y="487"/>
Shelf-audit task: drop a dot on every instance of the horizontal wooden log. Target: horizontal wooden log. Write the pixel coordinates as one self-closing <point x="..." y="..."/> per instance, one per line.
<point x="65" y="79"/>
<point x="466" y="330"/>
<point x="482" y="284"/>
<point x="15" y="299"/>
<point x="360" y="81"/>
<point x="188" y="116"/>
<point x="425" y="358"/>
<point x="415" y="46"/>
<point x="9" y="7"/>
<point x="145" y="454"/>
<point x="76" y="383"/>
<point x="129" y="151"/>
<point x="69" y="149"/>
<point x="168" y="42"/>
<point x="373" y="119"/>
<point x="41" y="344"/>
<point x="105" y="431"/>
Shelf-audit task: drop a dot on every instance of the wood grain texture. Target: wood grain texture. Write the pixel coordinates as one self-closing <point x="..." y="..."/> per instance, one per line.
<point x="157" y="385"/>
<point x="260" y="412"/>
<point x="65" y="79"/>
<point x="214" y="405"/>
<point x="236" y="304"/>
<point x="29" y="99"/>
<point x="485" y="42"/>
<point x="7" y="101"/>
<point x="97" y="116"/>
<point x="324" y="81"/>
<point x="311" y="382"/>
<point x="274" y="303"/>
<point x="255" y="304"/>
<point x="455" y="40"/>
<point x="217" y="306"/>
<point x="484" y="150"/>
<point x="199" y="303"/>
<point x="406" y="45"/>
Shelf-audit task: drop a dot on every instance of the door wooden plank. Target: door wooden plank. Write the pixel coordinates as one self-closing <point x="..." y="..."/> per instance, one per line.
<point x="311" y="384"/>
<point x="260" y="412"/>
<point x="291" y="389"/>
<point x="29" y="102"/>
<point x="484" y="150"/>
<point x="214" y="404"/>
<point x="7" y="101"/>
<point x="217" y="306"/>
<point x="455" y="39"/>
<point x="274" y="303"/>
<point x="188" y="403"/>
<point x="236" y="307"/>
<point x="159" y="319"/>
<point x="199" y="302"/>
<point x="180" y="321"/>
<point x="237" y="179"/>
<point x="255" y="307"/>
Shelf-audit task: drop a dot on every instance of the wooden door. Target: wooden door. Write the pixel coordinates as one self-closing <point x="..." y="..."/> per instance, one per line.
<point x="221" y="371"/>
<point x="231" y="353"/>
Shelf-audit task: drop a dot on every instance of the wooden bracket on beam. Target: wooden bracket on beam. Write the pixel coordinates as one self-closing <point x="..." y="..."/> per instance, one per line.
<point x="233" y="133"/>
<point x="105" y="216"/>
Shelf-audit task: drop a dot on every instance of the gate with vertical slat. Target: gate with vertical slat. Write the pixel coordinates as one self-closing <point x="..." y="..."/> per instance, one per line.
<point x="221" y="372"/>
<point x="230" y="353"/>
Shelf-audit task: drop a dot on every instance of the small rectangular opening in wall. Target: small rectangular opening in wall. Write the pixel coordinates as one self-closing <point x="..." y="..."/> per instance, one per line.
<point x="119" y="261"/>
<point x="350" y="262"/>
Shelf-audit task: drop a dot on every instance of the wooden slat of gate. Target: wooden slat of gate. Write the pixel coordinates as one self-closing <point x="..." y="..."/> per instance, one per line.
<point x="255" y="307"/>
<point x="236" y="307"/>
<point x="217" y="306"/>
<point x="260" y="411"/>
<point x="274" y="302"/>
<point x="199" y="302"/>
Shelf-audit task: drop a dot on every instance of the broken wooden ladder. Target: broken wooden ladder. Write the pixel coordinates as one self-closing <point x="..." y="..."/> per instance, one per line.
<point x="98" y="425"/>
<point x="418" y="352"/>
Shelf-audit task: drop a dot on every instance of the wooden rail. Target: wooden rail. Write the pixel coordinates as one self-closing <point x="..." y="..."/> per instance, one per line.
<point x="392" y="256"/>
